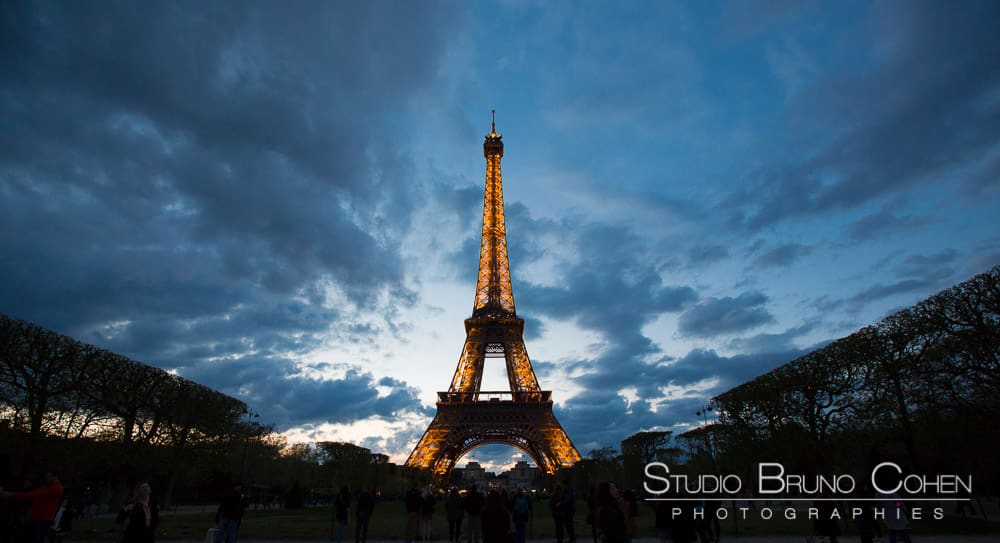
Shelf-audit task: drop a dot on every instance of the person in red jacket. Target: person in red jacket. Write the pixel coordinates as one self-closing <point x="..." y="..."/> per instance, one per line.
<point x="44" y="503"/>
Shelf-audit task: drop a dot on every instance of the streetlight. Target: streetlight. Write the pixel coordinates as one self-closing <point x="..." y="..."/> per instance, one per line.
<point x="703" y="413"/>
<point x="251" y="414"/>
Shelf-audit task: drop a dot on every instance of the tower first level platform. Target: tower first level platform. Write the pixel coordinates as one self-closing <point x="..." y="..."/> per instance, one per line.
<point x="467" y="420"/>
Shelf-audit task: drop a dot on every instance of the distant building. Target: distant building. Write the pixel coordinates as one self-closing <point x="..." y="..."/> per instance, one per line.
<point x="471" y="474"/>
<point x="522" y="475"/>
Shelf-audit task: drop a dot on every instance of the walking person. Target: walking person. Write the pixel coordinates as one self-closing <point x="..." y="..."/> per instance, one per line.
<point x="455" y="510"/>
<point x="427" y="502"/>
<point x="592" y="508"/>
<point x="63" y="522"/>
<point x="556" y="507"/>
<point x="142" y="515"/>
<point x="683" y="527"/>
<point x="229" y="516"/>
<point x="610" y="518"/>
<point x="662" y="521"/>
<point x="341" y="511"/>
<point x="826" y="525"/>
<point x="522" y="513"/>
<point x="43" y="504"/>
<point x="569" y="509"/>
<point x="496" y="519"/>
<point x="474" y="502"/>
<point x="896" y="518"/>
<point x="712" y="513"/>
<point x="412" y="501"/>
<point x="868" y="527"/>
<point x="630" y="508"/>
<point x="363" y="515"/>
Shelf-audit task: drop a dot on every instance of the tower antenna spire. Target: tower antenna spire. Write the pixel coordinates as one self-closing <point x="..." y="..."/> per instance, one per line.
<point x="493" y="121"/>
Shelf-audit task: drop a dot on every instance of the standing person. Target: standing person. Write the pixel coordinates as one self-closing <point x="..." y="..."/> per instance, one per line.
<point x="44" y="501"/>
<point x="569" y="509"/>
<point x="412" y="501"/>
<point x="556" y="506"/>
<point x="662" y="523"/>
<point x="825" y="524"/>
<point x="427" y="502"/>
<point x="701" y="525"/>
<point x="229" y="516"/>
<point x="8" y="525"/>
<point x="896" y="519"/>
<point x="683" y="527"/>
<point x="363" y="515"/>
<point x="868" y="527"/>
<point x="341" y="511"/>
<point x="63" y="523"/>
<point x="522" y="513"/>
<point x="142" y="514"/>
<point x="455" y="510"/>
<point x="592" y="508"/>
<point x="712" y="513"/>
<point x="496" y="519"/>
<point x="474" y="502"/>
<point x="630" y="508"/>
<point x="610" y="518"/>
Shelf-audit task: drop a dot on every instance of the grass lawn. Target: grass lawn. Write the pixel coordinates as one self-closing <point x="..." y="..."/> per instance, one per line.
<point x="389" y="521"/>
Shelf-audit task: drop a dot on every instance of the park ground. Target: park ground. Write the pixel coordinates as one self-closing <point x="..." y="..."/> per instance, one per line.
<point x="935" y="538"/>
<point x="190" y="524"/>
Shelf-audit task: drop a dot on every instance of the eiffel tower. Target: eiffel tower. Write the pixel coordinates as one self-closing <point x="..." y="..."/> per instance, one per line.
<point x="468" y="417"/>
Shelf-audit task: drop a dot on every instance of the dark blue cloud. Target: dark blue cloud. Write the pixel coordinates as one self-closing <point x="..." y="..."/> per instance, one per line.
<point x="718" y="316"/>
<point x="769" y="343"/>
<point x="893" y="119"/>
<point x="705" y="254"/>
<point x="884" y="223"/>
<point x="613" y="289"/>
<point x="276" y="388"/>
<point x="920" y="274"/>
<point x="983" y="258"/>
<point x="782" y="255"/>
<point x="188" y="186"/>
<point x="602" y="417"/>
<point x="701" y="364"/>
<point x="210" y="138"/>
<point x="881" y="291"/>
<point x="938" y="266"/>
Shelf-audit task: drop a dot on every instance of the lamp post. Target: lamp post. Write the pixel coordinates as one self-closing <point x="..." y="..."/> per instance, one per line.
<point x="251" y="414"/>
<point x="703" y="413"/>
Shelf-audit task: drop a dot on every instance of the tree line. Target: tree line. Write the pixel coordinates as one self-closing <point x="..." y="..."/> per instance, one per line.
<point x="921" y="387"/>
<point x="54" y="385"/>
<point x="106" y="420"/>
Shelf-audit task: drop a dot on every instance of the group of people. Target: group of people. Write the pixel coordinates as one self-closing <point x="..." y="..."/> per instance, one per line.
<point x="48" y="514"/>
<point x="891" y="510"/>
<point x="44" y="514"/>
<point x="362" y="514"/>
<point x="696" y="521"/>
<point x="36" y="514"/>
<point x="497" y="517"/>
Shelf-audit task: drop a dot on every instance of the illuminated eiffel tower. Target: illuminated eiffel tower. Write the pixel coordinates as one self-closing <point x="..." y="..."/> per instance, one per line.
<point x="468" y="417"/>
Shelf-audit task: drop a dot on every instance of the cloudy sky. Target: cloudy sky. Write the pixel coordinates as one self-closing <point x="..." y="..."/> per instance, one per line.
<point x="283" y="201"/>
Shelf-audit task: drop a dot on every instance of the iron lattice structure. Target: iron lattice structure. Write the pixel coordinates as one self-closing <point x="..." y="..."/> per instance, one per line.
<point x="468" y="417"/>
